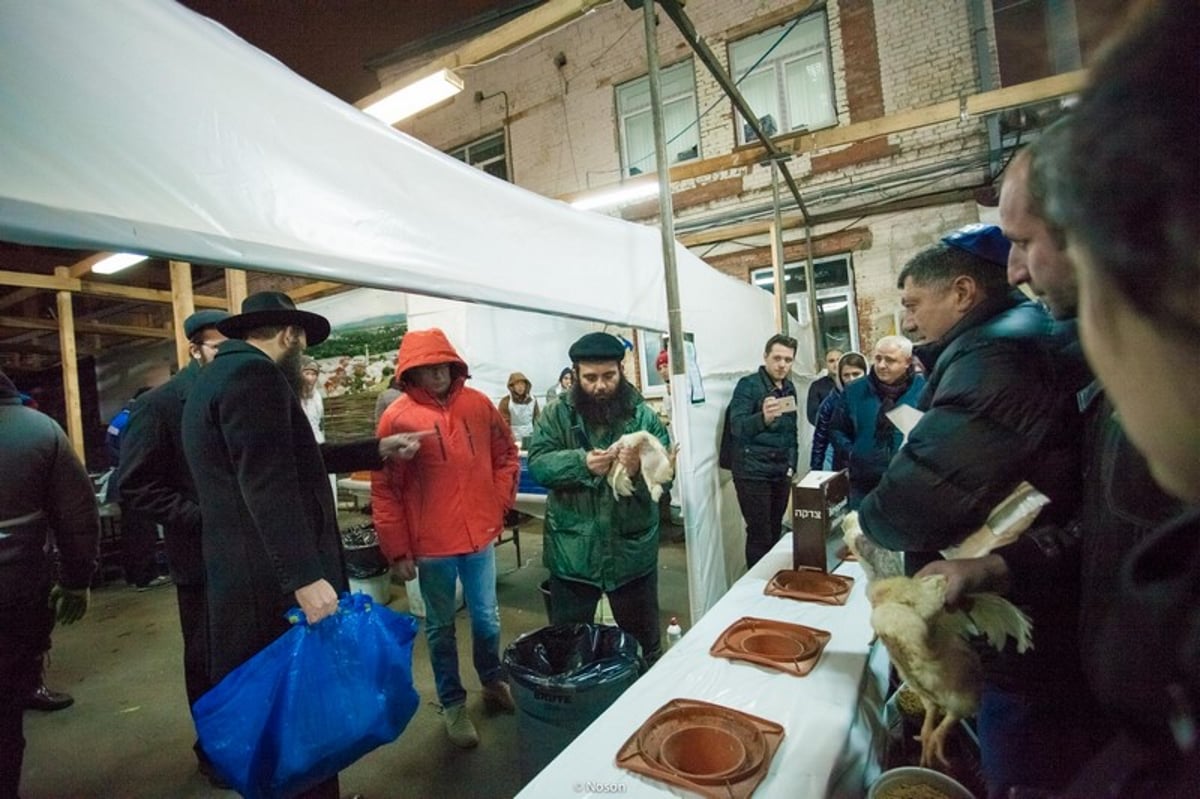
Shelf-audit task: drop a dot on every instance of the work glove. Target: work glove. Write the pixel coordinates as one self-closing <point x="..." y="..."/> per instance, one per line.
<point x="69" y="604"/>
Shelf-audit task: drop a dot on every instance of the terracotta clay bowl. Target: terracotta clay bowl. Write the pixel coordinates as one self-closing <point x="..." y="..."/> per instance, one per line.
<point x="702" y="754"/>
<point x="810" y="582"/>
<point x="653" y="737"/>
<point x="778" y="646"/>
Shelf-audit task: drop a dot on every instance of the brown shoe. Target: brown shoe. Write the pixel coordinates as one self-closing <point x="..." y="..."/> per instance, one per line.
<point x="498" y="698"/>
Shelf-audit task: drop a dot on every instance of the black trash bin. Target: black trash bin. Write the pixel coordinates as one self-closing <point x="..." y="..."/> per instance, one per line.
<point x="563" y="678"/>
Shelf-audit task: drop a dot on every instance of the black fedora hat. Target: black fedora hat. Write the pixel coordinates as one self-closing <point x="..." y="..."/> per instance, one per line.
<point x="270" y="308"/>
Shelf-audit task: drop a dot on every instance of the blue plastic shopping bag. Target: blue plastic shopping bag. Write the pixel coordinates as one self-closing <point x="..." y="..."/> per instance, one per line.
<point x="313" y="702"/>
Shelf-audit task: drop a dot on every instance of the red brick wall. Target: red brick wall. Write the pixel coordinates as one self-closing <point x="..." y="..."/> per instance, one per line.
<point x="864" y="89"/>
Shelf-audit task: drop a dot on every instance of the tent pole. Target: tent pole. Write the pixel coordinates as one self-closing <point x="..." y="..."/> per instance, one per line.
<point x="665" y="209"/>
<point x="674" y="10"/>
<point x="781" y="314"/>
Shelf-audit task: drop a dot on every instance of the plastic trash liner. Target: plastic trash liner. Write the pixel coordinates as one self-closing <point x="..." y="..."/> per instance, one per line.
<point x="563" y="678"/>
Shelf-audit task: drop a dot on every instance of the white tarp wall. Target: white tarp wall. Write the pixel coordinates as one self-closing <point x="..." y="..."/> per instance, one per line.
<point x="138" y="125"/>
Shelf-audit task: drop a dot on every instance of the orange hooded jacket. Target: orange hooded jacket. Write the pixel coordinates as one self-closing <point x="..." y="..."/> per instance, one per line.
<point x="450" y="499"/>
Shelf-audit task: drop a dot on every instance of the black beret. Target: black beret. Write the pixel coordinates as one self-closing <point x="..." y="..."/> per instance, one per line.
<point x="200" y="320"/>
<point x="597" y="347"/>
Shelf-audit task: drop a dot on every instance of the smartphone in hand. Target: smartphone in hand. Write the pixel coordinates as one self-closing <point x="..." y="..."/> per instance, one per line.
<point x="787" y="404"/>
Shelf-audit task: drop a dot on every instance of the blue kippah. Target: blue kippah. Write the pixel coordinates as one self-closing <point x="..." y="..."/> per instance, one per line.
<point x="982" y="241"/>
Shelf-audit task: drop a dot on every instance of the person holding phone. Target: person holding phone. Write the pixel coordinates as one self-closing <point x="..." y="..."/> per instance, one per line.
<point x="762" y="421"/>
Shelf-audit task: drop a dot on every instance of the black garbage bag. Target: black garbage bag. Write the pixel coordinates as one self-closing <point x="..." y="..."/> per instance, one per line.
<point x="563" y="678"/>
<point x="364" y="558"/>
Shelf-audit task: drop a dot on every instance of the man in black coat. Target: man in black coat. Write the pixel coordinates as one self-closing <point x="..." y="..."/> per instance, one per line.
<point x="156" y="483"/>
<point x="762" y="425"/>
<point x="999" y="409"/>
<point x="1122" y="505"/>
<point x="45" y="493"/>
<point x="823" y="386"/>
<point x="270" y="537"/>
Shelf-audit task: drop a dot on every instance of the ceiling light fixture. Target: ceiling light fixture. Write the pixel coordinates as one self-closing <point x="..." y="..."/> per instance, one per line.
<point x="416" y="96"/>
<point x="116" y="262"/>
<point x="622" y="195"/>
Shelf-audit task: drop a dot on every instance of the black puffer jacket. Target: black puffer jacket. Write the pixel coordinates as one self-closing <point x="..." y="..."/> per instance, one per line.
<point x="999" y="408"/>
<point x="761" y="451"/>
<point x="45" y="490"/>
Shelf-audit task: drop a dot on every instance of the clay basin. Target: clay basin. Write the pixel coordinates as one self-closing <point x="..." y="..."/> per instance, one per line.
<point x="778" y="646"/>
<point x="702" y="753"/>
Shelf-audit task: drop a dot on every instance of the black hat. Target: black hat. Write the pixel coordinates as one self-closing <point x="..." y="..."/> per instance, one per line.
<point x="201" y="320"/>
<point x="597" y="347"/>
<point x="269" y="308"/>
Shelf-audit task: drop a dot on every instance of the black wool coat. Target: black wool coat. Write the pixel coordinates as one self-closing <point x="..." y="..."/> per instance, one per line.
<point x="269" y="521"/>
<point x="154" y="475"/>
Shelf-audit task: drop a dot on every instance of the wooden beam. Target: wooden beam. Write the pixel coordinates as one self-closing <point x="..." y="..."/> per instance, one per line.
<point x="310" y="290"/>
<point x="81" y="268"/>
<point x="947" y="111"/>
<point x="740" y="264"/>
<point x="16" y="297"/>
<point x="235" y="289"/>
<point x="60" y="281"/>
<point x="546" y="17"/>
<point x="99" y="328"/>
<point x="182" y="306"/>
<point x="760" y="227"/>
<point x="70" y="369"/>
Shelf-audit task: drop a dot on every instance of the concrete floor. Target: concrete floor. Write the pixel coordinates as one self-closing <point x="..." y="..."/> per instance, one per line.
<point x="129" y="733"/>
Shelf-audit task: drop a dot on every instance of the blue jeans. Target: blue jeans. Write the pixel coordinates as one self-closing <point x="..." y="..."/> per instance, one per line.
<point x="477" y="570"/>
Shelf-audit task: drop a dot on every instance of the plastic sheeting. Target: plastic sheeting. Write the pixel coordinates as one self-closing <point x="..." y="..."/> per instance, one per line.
<point x="138" y="125"/>
<point x="832" y="741"/>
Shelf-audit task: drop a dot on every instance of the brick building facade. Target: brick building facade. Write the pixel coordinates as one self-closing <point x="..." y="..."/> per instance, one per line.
<point x="560" y="104"/>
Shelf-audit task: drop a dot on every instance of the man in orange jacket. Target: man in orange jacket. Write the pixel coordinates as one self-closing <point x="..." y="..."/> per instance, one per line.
<point x="441" y="507"/>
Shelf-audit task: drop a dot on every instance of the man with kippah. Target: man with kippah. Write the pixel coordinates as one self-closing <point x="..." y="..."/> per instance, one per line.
<point x="155" y="482"/>
<point x="999" y="408"/>
<point x="596" y="543"/>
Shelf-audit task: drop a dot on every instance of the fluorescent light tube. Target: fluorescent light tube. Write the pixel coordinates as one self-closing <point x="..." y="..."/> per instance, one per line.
<point x="417" y="96"/>
<point x="116" y="262"/>
<point x="619" y="196"/>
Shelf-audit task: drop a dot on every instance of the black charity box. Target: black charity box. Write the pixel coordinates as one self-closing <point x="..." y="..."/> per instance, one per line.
<point x="819" y="501"/>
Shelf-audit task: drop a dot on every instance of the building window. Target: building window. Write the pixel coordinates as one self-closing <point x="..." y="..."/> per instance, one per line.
<point x="785" y="77"/>
<point x="487" y="154"/>
<point x="679" y="119"/>
<point x="836" y="312"/>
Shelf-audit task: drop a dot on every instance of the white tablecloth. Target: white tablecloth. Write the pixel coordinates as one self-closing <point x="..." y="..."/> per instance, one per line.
<point x="833" y="735"/>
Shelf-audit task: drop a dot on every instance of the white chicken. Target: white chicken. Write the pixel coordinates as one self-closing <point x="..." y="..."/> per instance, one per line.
<point x="658" y="466"/>
<point x="929" y="645"/>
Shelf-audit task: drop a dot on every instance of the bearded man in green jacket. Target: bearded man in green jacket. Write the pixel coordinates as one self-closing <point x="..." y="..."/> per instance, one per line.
<point x="596" y="543"/>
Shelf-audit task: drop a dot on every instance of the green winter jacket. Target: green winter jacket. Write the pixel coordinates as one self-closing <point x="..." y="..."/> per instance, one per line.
<point x="590" y="536"/>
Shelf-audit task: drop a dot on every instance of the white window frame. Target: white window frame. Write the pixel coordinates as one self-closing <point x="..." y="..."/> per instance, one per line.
<point x="797" y="301"/>
<point x="464" y="153"/>
<point x="676" y="89"/>
<point x="776" y="64"/>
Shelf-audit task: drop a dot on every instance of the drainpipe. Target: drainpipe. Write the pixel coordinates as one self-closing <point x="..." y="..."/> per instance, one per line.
<point x="981" y="44"/>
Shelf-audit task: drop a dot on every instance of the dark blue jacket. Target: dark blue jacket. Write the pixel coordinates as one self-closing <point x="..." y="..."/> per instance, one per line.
<point x="761" y="451"/>
<point x="853" y="432"/>
<point x="999" y="409"/>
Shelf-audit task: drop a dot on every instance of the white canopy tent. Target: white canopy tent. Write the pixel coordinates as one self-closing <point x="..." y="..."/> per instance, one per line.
<point x="137" y="125"/>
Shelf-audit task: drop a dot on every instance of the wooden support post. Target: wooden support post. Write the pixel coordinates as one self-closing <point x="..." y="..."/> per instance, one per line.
<point x="66" y="344"/>
<point x="182" y="306"/>
<point x="235" y="289"/>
